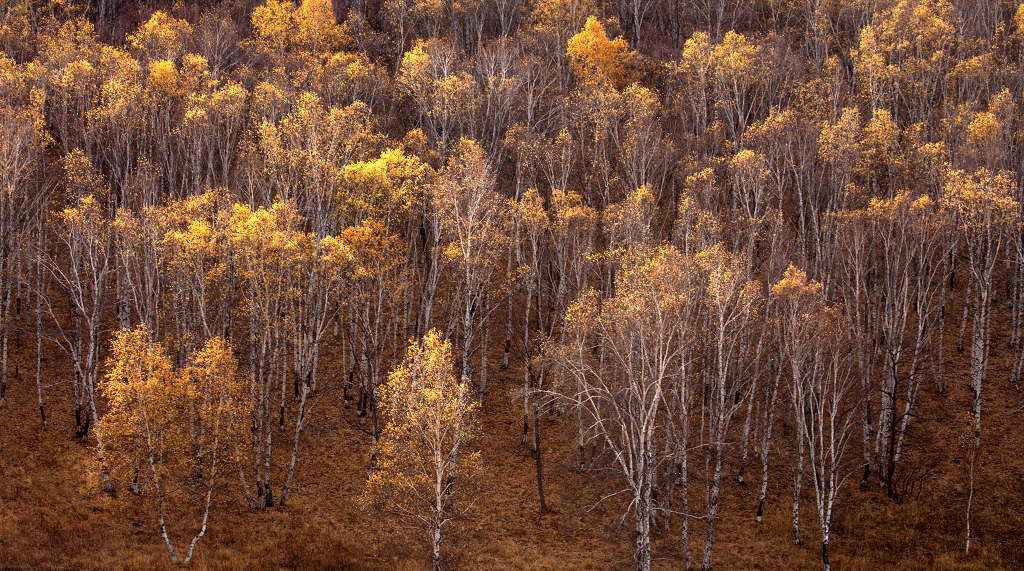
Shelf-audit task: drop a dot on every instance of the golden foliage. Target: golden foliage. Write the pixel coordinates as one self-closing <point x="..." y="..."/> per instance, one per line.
<point x="424" y="472"/>
<point x="386" y="188"/>
<point x="163" y="424"/>
<point x="161" y="37"/>
<point x="981" y="200"/>
<point x="593" y="55"/>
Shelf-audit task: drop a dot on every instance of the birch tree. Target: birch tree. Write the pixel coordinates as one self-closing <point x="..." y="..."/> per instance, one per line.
<point x="425" y="470"/>
<point x="638" y="330"/>
<point x="21" y="202"/>
<point x="85" y="238"/>
<point x="471" y="215"/>
<point x="984" y="211"/>
<point x="731" y="306"/>
<point x="170" y="431"/>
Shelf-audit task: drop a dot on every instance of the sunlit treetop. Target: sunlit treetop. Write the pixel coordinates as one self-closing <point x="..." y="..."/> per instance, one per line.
<point x="561" y="17"/>
<point x="386" y="187"/>
<point x="651" y="282"/>
<point x="81" y="177"/>
<point x="86" y="219"/>
<point x="981" y="199"/>
<point x="839" y="142"/>
<point x="1017" y="24"/>
<point x="749" y="165"/>
<point x="14" y="81"/>
<point x="905" y="52"/>
<point x="374" y="254"/>
<point x="75" y="39"/>
<point x="983" y="130"/>
<point x="794" y="286"/>
<point x="273" y="23"/>
<point x="318" y="30"/>
<point x="196" y="77"/>
<point x="162" y="79"/>
<point x="569" y="212"/>
<point x="880" y="142"/>
<point x="594" y="55"/>
<point x="629" y="222"/>
<point x="725" y="284"/>
<point x="428" y="416"/>
<point x="161" y="37"/>
<point x="279" y="25"/>
<point x="229" y="100"/>
<point x="265" y="235"/>
<point x="737" y="59"/>
<point x="529" y="211"/>
<point x="269" y="101"/>
<point x="916" y="24"/>
<point x="696" y="54"/>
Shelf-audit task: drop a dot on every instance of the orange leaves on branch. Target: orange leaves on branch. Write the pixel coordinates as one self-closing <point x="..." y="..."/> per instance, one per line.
<point x="653" y="283"/>
<point x="839" y="143"/>
<point x="529" y="212"/>
<point x="374" y="255"/>
<point x="162" y="78"/>
<point x="143" y="395"/>
<point x="318" y="31"/>
<point x="444" y="96"/>
<point x="903" y="56"/>
<point x="471" y="212"/>
<point x="727" y="291"/>
<point x="273" y="23"/>
<point x="729" y="75"/>
<point x="628" y="222"/>
<point x="796" y="289"/>
<point x="174" y="419"/>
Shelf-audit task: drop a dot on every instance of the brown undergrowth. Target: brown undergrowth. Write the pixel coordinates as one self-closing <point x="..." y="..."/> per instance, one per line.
<point x="53" y="514"/>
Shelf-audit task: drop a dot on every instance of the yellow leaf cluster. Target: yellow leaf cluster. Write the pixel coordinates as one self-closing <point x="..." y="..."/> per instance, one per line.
<point x="161" y="36"/>
<point x="310" y="26"/>
<point x="593" y="55"/>
<point x="422" y="471"/>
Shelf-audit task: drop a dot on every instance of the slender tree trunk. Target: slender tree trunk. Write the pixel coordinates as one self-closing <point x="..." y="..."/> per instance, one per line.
<point x="435" y="540"/>
<point x="4" y="333"/>
<point x="746" y="433"/>
<point x="966" y="312"/>
<point x="684" y="486"/>
<point x="268" y="433"/>
<point x="797" y="482"/>
<point x="536" y="446"/>
<point x="163" y="529"/>
<point x="300" y="421"/>
<point x="766" y="444"/>
<point x="970" y="497"/>
<point x="206" y="510"/>
<point x="712" y="515"/>
<point x="483" y="352"/>
<point x="643" y="526"/>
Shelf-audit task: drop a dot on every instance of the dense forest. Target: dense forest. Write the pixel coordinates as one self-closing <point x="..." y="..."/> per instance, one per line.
<point x="511" y="283"/>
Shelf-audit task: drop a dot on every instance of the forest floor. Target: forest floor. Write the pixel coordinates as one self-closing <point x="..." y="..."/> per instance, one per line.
<point x="53" y="514"/>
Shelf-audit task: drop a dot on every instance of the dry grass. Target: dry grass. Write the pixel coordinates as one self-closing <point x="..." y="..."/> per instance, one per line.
<point x="52" y="513"/>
